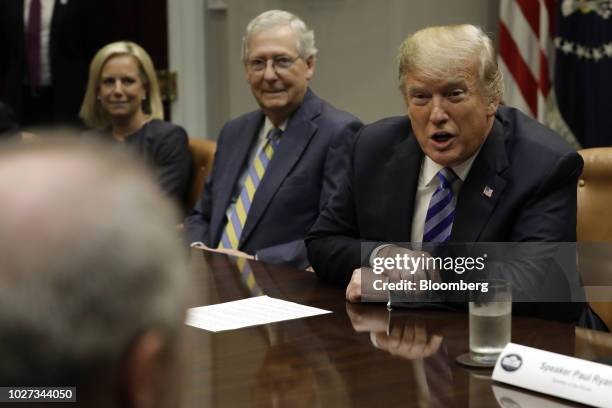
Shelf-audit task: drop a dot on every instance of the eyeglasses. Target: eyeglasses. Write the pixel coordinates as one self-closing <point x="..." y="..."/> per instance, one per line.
<point x="279" y="64"/>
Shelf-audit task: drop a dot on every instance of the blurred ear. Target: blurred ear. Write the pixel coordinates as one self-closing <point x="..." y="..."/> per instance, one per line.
<point x="310" y="66"/>
<point x="402" y="87"/>
<point x="407" y="103"/>
<point x="148" y="371"/>
<point x="492" y="107"/>
<point x="246" y="74"/>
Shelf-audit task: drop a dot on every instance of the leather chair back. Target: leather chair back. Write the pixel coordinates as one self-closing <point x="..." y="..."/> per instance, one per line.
<point x="595" y="220"/>
<point x="203" y="154"/>
<point x="595" y="196"/>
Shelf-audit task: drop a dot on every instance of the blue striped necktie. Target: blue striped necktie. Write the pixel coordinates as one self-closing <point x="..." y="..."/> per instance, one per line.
<point x="441" y="210"/>
<point x="240" y="210"/>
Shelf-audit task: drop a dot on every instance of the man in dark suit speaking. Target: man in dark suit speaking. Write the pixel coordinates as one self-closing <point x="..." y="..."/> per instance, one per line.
<point x="458" y="168"/>
<point x="274" y="168"/>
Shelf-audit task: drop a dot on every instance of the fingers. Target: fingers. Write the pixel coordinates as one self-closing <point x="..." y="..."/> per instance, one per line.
<point x="367" y="319"/>
<point x="433" y="345"/>
<point x="229" y="251"/>
<point x="353" y="290"/>
<point x="407" y="340"/>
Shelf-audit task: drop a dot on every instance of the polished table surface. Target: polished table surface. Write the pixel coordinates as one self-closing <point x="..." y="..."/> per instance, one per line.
<point x="360" y="355"/>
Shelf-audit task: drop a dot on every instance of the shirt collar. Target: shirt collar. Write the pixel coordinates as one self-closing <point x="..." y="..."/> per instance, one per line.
<point x="268" y="125"/>
<point x="430" y="168"/>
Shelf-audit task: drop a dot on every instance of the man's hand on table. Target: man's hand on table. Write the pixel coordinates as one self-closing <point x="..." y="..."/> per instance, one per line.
<point x="362" y="279"/>
<point x="226" y="251"/>
<point x="402" y="336"/>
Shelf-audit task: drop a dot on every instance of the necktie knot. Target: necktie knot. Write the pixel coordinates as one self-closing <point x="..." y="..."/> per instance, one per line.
<point x="441" y="210"/>
<point x="274" y="136"/>
<point x="447" y="177"/>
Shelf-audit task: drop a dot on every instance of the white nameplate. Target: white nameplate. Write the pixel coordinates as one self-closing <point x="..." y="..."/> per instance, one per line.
<point x="555" y="374"/>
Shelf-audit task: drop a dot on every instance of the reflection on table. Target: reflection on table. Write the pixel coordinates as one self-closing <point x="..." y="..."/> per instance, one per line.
<point x="360" y="355"/>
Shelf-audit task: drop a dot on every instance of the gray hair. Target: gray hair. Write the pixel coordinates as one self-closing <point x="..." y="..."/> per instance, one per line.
<point x="441" y="52"/>
<point x="280" y="18"/>
<point x="90" y="259"/>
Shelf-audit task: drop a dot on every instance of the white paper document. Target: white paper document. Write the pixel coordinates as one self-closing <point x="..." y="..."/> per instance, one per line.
<point x="247" y="312"/>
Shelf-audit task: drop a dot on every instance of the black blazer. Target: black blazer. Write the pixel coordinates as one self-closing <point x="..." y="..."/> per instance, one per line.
<point x="77" y="32"/>
<point x="533" y="174"/>
<point x="165" y="148"/>
<point x="8" y="123"/>
<point x="306" y="169"/>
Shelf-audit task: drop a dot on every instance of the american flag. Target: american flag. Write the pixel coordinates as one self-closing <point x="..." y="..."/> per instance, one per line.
<point x="583" y="69"/>
<point x="556" y="57"/>
<point x="526" y="32"/>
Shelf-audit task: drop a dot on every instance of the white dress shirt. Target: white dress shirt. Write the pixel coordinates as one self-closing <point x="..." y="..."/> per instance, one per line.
<point x="428" y="182"/>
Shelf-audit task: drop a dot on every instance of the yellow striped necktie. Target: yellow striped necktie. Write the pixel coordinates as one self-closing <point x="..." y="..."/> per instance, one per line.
<point x="248" y="277"/>
<point x="240" y="210"/>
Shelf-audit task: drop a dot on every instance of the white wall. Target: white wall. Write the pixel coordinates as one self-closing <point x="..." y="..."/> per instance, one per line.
<point x="186" y="49"/>
<point x="357" y="40"/>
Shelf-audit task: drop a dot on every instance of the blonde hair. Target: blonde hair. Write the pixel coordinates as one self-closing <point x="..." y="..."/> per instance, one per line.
<point x="91" y="110"/>
<point x="445" y="51"/>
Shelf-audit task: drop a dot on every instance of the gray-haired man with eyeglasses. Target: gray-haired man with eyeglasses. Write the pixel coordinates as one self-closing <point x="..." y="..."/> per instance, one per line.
<point x="275" y="168"/>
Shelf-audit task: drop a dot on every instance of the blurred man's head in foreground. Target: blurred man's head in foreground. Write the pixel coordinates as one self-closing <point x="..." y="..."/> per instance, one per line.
<point x="92" y="275"/>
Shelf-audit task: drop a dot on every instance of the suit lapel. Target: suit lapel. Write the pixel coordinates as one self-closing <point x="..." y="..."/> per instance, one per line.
<point x="405" y="165"/>
<point x="482" y="188"/>
<point x="294" y="141"/>
<point x="235" y="164"/>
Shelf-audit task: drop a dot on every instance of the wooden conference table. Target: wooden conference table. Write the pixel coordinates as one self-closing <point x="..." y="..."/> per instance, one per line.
<point x="358" y="356"/>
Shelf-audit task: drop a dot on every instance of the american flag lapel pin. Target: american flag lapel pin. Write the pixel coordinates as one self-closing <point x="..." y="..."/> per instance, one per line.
<point x="488" y="192"/>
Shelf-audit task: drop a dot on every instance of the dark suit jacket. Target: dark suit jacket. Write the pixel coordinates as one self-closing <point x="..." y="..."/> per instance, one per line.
<point x="531" y="170"/>
<point x="77" y="32"/>
<point x="305" y="170"/>
<point x="165" y="148"/>
<point x="8" y="123"/>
